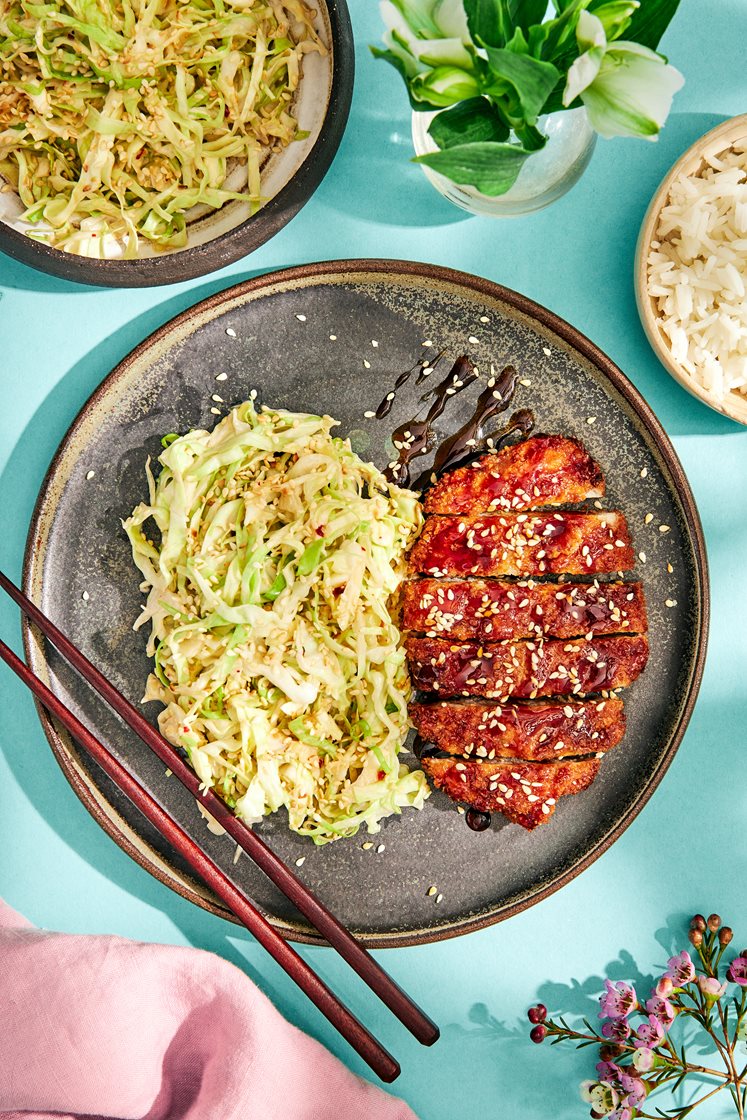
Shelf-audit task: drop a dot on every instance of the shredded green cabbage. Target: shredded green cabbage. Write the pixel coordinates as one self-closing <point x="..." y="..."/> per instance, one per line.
<point x="270" y="580"/>
<point x="119" y="116"/>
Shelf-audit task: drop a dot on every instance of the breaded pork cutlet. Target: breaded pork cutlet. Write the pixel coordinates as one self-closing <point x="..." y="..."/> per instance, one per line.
<point x="493" y="609"/>
<point x="526" y="793"/>
<point x="523" y="544"/>
<point x="525" y="669"/>
<point x="537" y="730"/>
<point x="540" y="471"/>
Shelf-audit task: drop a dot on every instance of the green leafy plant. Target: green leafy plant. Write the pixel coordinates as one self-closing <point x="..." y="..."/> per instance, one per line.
<point x="492" y="69"/>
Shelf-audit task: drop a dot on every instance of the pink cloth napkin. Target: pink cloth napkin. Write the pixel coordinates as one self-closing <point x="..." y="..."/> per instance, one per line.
<point x="103" y="1027"/>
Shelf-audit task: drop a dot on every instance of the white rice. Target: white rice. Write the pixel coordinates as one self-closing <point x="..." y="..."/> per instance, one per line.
<point x="697" y="272"/>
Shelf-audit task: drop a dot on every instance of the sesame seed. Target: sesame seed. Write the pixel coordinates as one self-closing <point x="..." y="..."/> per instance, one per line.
<point x="546" y="350"/>
<point x="642" y="557"/>
<point x="644" y="472"/>
<point x="439" y="898"/>
<point x="591" y="419"/>
<point x="300" y="861"/>
<point x="664" y="528"/>
<point x="484" y="319"/>
<point x="374" y="342"/>
<point x="301" y="318"/>
<point x="369" y="415"/>
<point x="333" y="338"/>
<point x="670" y="603"/>
<point x="85" y="596"/>
<point x="670" y="569"/>
<point x="366" y="364"/>
<point x="367" y="845"/>
<point x="90" y="475"/>
<point x="525" y="381"/>
<point x="221" y="377"/>
<point x="215" y="411"/>
<point x="216" y="397"/>
<point x="427" y="342"/>
<point x="432" y="890"/>
<point x="230" y="332"/>
<point x="648" y="519"/>
<point x="381" y="847"/>
<point x="390" y="396"/>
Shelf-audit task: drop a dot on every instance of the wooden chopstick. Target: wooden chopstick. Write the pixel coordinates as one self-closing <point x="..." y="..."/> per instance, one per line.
<point x="340" y="938"/>
<point x="362" y="1041"/>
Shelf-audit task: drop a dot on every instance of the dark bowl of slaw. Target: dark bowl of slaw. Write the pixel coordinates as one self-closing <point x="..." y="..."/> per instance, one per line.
<point x="219" y="237"/>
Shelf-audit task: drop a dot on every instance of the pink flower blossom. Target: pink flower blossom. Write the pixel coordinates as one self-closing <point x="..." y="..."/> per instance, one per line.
<point x="662" y="1010"/>
<point x="711" y="988"/>
<point x="737" y="971"/>
<point x="618" y="1000"/>
<point x="602" y="1096"/>
<point x="634" y="1089"/>
<point x="608" y="1071"/>
<point x="643" y="1059"/>
<point x="681" y="969"/>
<point x="665" y="987"/>
<point x="618" y="1029"/>
<point x="621" y="1113"/>
<point x="649" y="1034"/>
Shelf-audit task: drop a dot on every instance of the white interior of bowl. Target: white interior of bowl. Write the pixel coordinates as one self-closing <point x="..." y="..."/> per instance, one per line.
<point x="310" y="109"/>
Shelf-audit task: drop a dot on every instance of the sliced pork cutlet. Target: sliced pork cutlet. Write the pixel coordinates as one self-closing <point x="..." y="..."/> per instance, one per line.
<point x="537" y="730"/>
<point x="525" y="669"/>
<point x="539" y="471"/>
<point x="523" y="544"/>
<point x="526" y="793"/>
<point x="492" y="609"/>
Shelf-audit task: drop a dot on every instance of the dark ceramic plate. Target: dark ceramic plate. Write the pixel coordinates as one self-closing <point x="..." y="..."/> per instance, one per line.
<point x="333" y="337"/>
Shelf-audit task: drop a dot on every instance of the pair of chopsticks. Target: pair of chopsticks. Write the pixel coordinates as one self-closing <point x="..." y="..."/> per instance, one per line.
<point x="340" y="938"/>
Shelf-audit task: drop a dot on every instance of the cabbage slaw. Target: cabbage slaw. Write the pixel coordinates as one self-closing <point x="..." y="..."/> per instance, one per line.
<point x="119" y="116"/>
<point x="276" y="656"/>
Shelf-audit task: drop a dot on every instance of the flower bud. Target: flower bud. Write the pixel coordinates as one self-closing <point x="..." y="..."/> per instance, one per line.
<point x="539" y="1033"/>
<point x="725" y="935"/>
<point x="444" y="86"/>
<point x="698" y="922"/>
<point x="695" y="938"/>
<point x="537" y="1014"/>
<point x="714" y="921"/>
<point x="611" y="1050"/>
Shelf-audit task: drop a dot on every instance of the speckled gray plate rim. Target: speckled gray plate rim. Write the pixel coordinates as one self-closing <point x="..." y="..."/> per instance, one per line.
<point x="299" y="330"/>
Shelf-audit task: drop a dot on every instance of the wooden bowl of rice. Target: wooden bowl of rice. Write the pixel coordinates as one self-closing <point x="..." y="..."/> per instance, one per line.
<point x="691" y="270"/>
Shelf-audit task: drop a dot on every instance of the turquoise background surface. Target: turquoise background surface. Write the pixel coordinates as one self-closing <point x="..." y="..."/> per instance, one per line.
<point x="685" y="852"/>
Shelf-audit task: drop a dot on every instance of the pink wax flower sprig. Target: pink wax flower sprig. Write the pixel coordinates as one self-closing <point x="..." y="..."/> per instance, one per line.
<point x="641" y="1048"/>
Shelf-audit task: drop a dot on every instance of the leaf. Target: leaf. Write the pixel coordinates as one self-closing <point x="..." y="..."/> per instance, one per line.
<point x="530" y="138"/>
<point x="471" y="122"/>
<point x="651" y="21"/>
<point x="489" y="21"/>
<point x="532" y="79"/>
<point x="490" y="167"/>
<point x="527" y="13"/>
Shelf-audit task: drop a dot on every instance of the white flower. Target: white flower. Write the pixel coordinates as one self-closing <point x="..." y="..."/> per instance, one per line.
<point x="627" y="89"/>
<point x="427" y="33"/>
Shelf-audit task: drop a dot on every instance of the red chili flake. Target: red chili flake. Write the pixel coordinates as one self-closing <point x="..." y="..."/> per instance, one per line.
<point x="381" y="775"/>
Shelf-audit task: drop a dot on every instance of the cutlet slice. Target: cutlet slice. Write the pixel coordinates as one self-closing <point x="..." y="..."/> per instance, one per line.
<point x="539" y="471"/>
<point x="523" y="544"/>
<point x="492" y="609"/>
<point x="537" y="730"/>
<point x="526" y="793"/>
<point x="525" y="669"/>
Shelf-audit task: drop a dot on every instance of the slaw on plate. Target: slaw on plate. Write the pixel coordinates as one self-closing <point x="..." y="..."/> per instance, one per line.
<point x="117" y="117"/>
<point x="269" y="582"/>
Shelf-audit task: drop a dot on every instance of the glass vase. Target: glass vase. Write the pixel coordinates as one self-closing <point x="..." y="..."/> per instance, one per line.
<point x="544" y="177"/>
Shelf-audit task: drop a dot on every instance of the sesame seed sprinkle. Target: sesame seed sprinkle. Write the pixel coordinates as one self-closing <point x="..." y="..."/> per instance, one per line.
<point x="369" y="415"/>
<point x="90" y="475"/>
<point x="374" y="342"/>
<point x="484" y="319"/>
<point x="221" y="377"/>
<point x="648" y="519"/>
<point x="644" y="473"/>
<point x="432" y="890"/>
<point x="472" y="340"/>
<point x="85" y="596"/>
<point x="670" y="602"/>
<point x="546" y="350"/>
<point x="215" y="411"/>
<point x="301" y="318"/>
<point x="333" y="338"/>
<point x="300" y="861"/>
<point x="439" y="898"/>
<point x="381" y="848"/>
<point x="367" y="845"/>
<point x="230" y="332"/>
<point x="664" y="528"/>
<point x="591" y="419"/>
